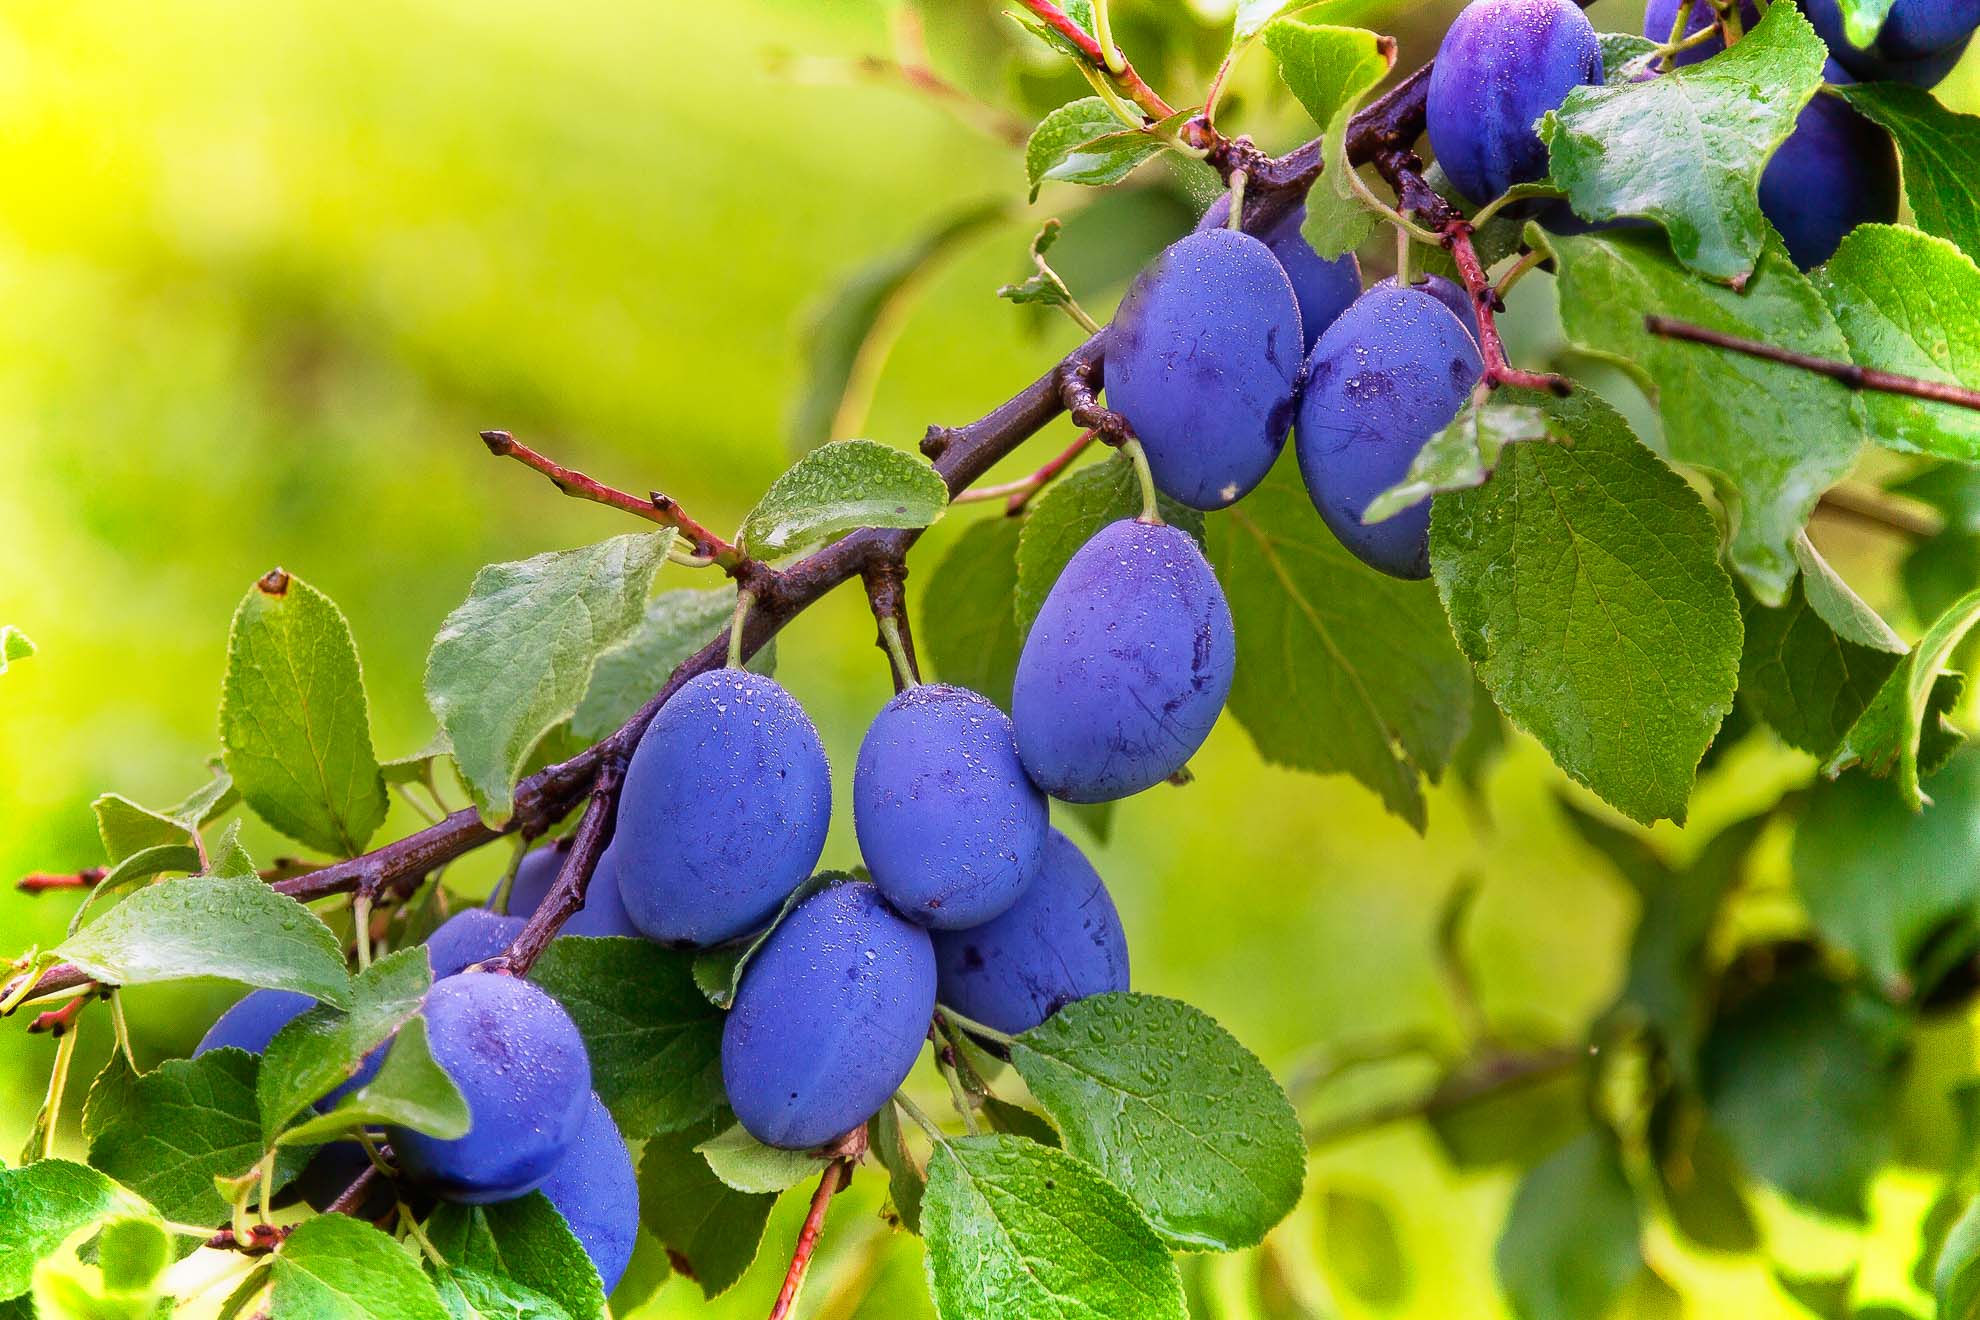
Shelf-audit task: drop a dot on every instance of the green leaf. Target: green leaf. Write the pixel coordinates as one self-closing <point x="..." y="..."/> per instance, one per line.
<point x="1941" y="155"/>
<point x="1043" y="285"/>
<point x="229" y="860"/>
<point x="14" y="645"/>
<point x="1902" y="731"/>
<point x="1686" y="149"/>
<point x="1462" y="455"/>
<point x="676" y="624"/>
<point x="1085" y="142"/>
<point x="179" y="1127"/>
<point x="1018" y="1231"/>
<point x="1776" y="436"/>
<point x="334" y="1267"/>
<point x="226" y="926"/>
<point x="1330" y="69"/>
<point x="293" y="720"/>
<point x="1361" y="1249"/>
<point x="969" y="630"/>
<point x="906" y="1179"/>
<point x="655" y="1041"/>
<point x="1340" y="669"/>
<point x="411" y="1090"/>
<point x="1583" y="582"/>
<point x="1701" y="1182"/>
<point x="1807" y="679"/>
<point x="524" y="1240"/>
<point x="478" y="1295"/>
<point x="645" y="1273"/>
<point x="1570" y="1244"/>
<point x="848" y="335"/>
<point x="514" y="659"/>
<point x="43" y="1205"/>
<point x="1956" y="1278"/>
<point x="325" y="1047"/>
<point x="747" y="1165"/>
<point x="1176" y="1113"/>
<point x="1067" y="515"/>
<point x="1253" y="15"/>
<point x="133" y="1250"/>
<point x="144" y="864"/>
<point x="1877" y="877"/>
<point x="1910" y="303"/>
<point x="711" y="1229"/>
<point x="1621" y="51"/>
<point x="1801" y="1078"/>
<point x="1003" y="1116"/>
<point x="839" y="487"/>
<point x="128" y="828"/>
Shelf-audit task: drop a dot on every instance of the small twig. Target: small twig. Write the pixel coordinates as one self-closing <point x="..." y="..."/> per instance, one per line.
<point x="1019" y="492"/>
<point x="351" y="1197"/>
<point x="258" y="1240"/>
<point x="59" y="1021"/>
<point x="836" y="1175"/>
<point x="1851" y="375"/>
<point x="1457" y="237"/>
<point x="40" y="882"/>
<point x="910" y="68"/>
<point x="1130" y="82"/>
<point x="658" y="509"/>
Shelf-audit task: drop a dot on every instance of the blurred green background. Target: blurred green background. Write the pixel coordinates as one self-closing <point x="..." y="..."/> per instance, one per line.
<point x="267" y="269"/>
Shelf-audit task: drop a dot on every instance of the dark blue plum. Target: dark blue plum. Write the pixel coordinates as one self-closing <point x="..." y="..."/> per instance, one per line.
<point x="594" y="1188"/>
<point x="724" y="810"/>
<point x="470" y="936"/>
<point x="1904" y="50"/>
<point x="1836" y="171"/>
<point x="1126" y="666"/>
<point x="603" y="913"/>
<point x="949" y="824"/>
<point x="1660" y="15"/>
<point x="1391" y="373"/>
<point x="1060" y="942"/>
<point x="1322" y="288"/>
<point x="520" y="1065"/>
<point x="253" y="1021"/>
<point x="830" y="1016"/>
<point x="1203" y="361"/>
<point x="1448" y="292"/>
<point x="1502" y="65"/>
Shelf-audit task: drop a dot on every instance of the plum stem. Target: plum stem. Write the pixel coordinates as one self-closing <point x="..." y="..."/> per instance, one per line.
<point x="1103" y="33"/>
<point x="1235" y="221"/>
<point x="975" y="1028"/>
<point x="122" y="1028"/>
<point x="1679" y="21"/>
<point x="1848" y="373"/>
<point x="886" y="596"/>
<point x="1151" y="512"/>
<point x="890" y="638"/>
<point x="958" y="1097"/>
<point x="1403" y="265"/>
<point x="837" y="1174"/>
<point x="737" y="622"/>
<point x="58" y="1084"/>
<point x="921" y="1119"/>
<point x="1457" y="237"/>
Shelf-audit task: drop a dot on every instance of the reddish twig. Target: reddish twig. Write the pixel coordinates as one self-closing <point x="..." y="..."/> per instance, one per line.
<point x="1020" y="492"/>
<point x="57" y="1021"/>
<point x="40" y="882"/>
<point x="261" y="1239"/>
<point x="1130" y="82"/>
<point x="836" y="1175"/>
<point x="351" y="1197"/>
<point x="1848" y="373"/>
<point x="1457" y="237"/>
<point x="658" y="508"/>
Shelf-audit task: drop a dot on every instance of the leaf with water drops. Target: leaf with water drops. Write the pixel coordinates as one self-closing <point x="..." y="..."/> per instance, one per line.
<point x="838" y="487"/>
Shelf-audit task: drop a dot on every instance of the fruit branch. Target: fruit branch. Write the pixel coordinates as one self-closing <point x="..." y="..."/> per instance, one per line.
<point x="1020" y="492"/>
<point x="1851" y="375"/>
<point x="573" y="880"/>
<point x="1090" y="49"/>
<point x="837" y="1174"/>
<point x="1485" y="302"/>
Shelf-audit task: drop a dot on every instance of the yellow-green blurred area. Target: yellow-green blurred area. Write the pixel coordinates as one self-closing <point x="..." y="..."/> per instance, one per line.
<point x="267" y="269"/>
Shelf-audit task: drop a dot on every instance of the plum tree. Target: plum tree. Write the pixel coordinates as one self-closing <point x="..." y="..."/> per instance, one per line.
<point x="595" y="1190"/>
<point x="1061" y="941"/>
<point x="1203" y="360"/>
<point x="1448" y="292"/>
<point x="1836" y="171"/>
<point x="1126" y="666"/>
<point x="1660" y="16"/>
<point x="696" y="868"/>
<point x="829" y="1018"/>
<point x="948" y="822"/>
<point x="1919" y="43"/>
<point x="470" y="936"/>
<point x="1322" y="288"/>
<point x="603" y="913"/>
<point x="521" y="1066"/>
<point x="1501" y="66"/>
<point x="1391" y="373"/>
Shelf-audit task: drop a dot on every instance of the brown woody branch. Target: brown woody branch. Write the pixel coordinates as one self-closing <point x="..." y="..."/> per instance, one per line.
<point x="1848" y="373"/>
<point x="1485" y="303"/>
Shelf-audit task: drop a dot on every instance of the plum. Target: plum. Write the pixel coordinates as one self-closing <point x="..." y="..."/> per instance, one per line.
<point x="1061" y="941"/>
<point x="470" y="936"/>
<point x="1448" y="292"/>
<point x="1322" y="288"/>
<point x="724" y="810"/>
<point x="1126" y="666"/>
<point x="1920" y="42"/>
<point x="521" y="1066"/>
<point x="603" y="913"/>
<point x="948" y="822"/>
<point x="829" y="1018"/>
<point x="1387" y="376"/>
<point x="595" y="1190"/>
<point x="1502" y="65"/>
<point x="253" y="1021"/>
<point x="1203" y="361"/>
<point x="1659" y="16"/>
<point x="1836" y="171"/>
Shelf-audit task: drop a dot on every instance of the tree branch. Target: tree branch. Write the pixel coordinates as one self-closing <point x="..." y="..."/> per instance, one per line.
<point x="1851" y="375"/>
<point x="1485" y="303"/>
<point x="1138" y="91"/>
<point x="837" y="1174"/>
